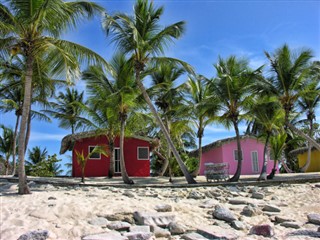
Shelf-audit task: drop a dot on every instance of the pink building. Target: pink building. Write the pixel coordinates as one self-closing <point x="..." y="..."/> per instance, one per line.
<point x="225" y="151"/>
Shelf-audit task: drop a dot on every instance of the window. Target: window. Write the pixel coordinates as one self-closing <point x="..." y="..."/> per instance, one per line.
<point x="255" y="162"/>
<point x="94" y="155"/>
<point x="116" y="156"/>
<point x="235" y="154"/>
<point x="143" y="153"/>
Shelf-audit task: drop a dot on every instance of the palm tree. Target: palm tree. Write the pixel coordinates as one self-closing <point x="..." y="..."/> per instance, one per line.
<point x="6" y="146"/>
<point x="32" y="31"/>
<point x="36" y="155"/>
<point x="290" y="72"/>
<point x="267" y="113"/>
<point x="167" y="97"/>
<point x="308" y="103"/>
<point x="141" y="36"/>
<point x="11" y="92"/>
<point x="121" y="96"/>
<point x="82" y="159"/>
<point x="54" y="167"/>
<point x="233" y="89"/>
<point x="12" y="100"/>
<point x="68" y="110"/>
<point x="278" y="144"/>
<point x="204" y="107"/>
<point x="102" y="120"/>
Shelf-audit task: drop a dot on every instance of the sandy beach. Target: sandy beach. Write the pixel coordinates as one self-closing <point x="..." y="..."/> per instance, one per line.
<point x="73" y="212"/>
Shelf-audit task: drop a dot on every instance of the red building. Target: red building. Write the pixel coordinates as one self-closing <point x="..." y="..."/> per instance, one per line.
<point x="136" y="154"/>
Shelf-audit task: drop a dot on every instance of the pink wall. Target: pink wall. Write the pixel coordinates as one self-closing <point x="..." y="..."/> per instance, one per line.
<point x="100" y="167"/>
<point x="225" y="153"/>
<point x="214" y="156"/>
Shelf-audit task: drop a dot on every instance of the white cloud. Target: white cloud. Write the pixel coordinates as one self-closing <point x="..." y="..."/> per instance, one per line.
<point x="39" y="136"/>
<point x="257" y="62"/>
<point x="221" y="129"/>
<point x="217" y="129"/>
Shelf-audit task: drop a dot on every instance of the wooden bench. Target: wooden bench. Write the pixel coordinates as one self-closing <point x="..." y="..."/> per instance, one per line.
<point x="216" y="171"/>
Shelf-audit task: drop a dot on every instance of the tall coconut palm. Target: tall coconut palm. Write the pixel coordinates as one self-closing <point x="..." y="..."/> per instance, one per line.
<point x="268" y="113"/>
<point x="167" y="97"/>
<point x="31" y="29"/>
<point x="121" y="99"/>
<point x="290" y="72"/>
<point x="308" y="103"/>
<point x="67" y="109"/>
<point x="12" y="100"/>
<point x="233" y="89"/>
<point x="144" y="39"/>
<point x="102" y="118"/>
<point x="124" y="98"/>
<point x="204" y="107"/>
<point x="13" y="78"/>
<point x="6" y="146"/>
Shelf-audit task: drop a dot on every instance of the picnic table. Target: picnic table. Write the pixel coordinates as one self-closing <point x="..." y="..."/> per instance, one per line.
<point x="216" y="171"/>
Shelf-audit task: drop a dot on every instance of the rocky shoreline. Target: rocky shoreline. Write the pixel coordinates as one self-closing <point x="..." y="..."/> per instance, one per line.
<point x="286" y="211"/>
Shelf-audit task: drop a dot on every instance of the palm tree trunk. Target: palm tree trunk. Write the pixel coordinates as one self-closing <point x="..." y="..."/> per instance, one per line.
<point x="124" y="173"/>
<point x="237" y="174"/>
<point x="275" y="164"/>
<point x="159" y="155"/>
<point x="7" y="164"/>
<point x="200" y="134"/>
<point x="23" y="186"/>
<point x="166" y="160"/>
<point x="183" y="168"/>
<point x="14" y="145"/>
<point x="305" y="136"/>
<point x="111" y="157"/>
<point x="285" y="166"/>
<point x="274" y="170"/>
<point x="306" y="166"/>
<point x="263" y="174"/>
<point x="82" y="174"/>
<point x="28" y="132"/>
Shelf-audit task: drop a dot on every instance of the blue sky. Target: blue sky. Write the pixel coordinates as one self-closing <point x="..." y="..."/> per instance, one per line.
<point x="213" y="28"/>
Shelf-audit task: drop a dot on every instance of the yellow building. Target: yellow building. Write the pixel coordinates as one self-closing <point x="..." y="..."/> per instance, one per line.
<point x="315" y="160"/>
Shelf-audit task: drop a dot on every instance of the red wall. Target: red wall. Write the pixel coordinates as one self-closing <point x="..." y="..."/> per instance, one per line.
<point x="99" y="168"/>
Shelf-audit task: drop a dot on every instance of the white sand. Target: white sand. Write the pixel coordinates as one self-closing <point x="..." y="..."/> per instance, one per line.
<point x="65" y="212"/>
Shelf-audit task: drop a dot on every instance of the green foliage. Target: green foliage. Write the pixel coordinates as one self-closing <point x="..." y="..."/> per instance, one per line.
<point x="36" y="155"/>
<point x="290" y="73"/>
<point x="6" y="141"/>
<point x="2" y="165"/>
<point x="278" y="144"/>
<point x="68" y="109"/>
<point x="190" y="162"/>
<point x="46" y="168"/>
<point x="82" y="159"/>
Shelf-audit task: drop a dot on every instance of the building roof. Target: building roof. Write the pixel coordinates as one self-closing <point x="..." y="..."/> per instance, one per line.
<point x="221" y="142"/>
<point x="300" y="151"/>
<point x="68" y="141"/>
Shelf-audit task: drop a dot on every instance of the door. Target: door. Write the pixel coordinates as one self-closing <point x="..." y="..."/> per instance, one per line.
<point x="255" y="162"/>
<point x="116" y="155"/>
